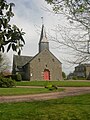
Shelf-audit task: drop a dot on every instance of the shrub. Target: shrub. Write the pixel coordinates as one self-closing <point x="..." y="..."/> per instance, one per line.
<point x="6" y="82"/>
<point x="17" y="77"/>
<point x="74" y="78"/>
<point x="51" y="87"/>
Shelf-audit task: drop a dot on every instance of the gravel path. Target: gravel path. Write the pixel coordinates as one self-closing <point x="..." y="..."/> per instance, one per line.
<point x="69" y="91"/>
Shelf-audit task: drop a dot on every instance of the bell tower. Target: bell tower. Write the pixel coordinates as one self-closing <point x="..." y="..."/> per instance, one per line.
<point x="43" y="43"/>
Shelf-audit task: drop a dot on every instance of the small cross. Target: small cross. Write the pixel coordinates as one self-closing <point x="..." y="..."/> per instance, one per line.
<point x="42" y="20"/>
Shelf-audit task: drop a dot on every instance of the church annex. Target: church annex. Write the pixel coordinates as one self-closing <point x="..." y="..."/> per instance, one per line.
<point x="43" y="66"/>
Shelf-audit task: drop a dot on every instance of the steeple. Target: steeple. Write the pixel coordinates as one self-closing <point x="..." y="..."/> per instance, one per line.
<point x="43" y="43"/>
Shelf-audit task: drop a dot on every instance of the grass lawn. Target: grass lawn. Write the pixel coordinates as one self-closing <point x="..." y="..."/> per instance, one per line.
<point x="58" y="83"/>
<point x="23" y="91"/>
<point x="68" y="108"/>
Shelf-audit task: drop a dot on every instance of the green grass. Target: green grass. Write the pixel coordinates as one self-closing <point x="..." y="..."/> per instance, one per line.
<point x="68" y="108"/>
<point x="23" y="91"/>
<point x="58" y="83"/>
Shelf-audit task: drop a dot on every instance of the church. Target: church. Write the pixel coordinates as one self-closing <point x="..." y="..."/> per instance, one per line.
<point x="42" y="66"/>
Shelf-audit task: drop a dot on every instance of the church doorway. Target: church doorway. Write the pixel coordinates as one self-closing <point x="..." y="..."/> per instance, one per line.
<point x="46" y="74"/>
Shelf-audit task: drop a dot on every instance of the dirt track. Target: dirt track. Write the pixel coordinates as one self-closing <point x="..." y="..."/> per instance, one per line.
<point x="69" y="91"/>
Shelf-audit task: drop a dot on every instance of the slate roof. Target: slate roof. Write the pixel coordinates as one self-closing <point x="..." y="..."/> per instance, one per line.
<point x="21" y="60"/>
<point x="86" y="65"/>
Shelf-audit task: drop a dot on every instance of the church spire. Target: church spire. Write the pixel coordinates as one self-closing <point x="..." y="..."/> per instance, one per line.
<point x="43" y="43"/>
<point x="43" y="37"/>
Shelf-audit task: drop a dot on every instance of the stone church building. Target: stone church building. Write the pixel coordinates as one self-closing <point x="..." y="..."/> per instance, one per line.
<point x="43" y="66"/>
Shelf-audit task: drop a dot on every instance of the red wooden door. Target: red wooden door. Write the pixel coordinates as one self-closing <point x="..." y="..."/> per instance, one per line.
<point x="46" y="75"/>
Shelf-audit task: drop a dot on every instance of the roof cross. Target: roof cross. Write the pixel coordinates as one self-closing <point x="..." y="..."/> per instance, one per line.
<point x="42" y="20"/>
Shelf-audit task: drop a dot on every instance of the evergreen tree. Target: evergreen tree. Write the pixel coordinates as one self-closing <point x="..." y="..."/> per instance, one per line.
<point x="10" y="35"/>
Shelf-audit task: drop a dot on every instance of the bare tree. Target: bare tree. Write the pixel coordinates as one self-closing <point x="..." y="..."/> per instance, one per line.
<point x="73" y="41"/>
<point x="75" y="10"/>
<point x="76" y="37"/>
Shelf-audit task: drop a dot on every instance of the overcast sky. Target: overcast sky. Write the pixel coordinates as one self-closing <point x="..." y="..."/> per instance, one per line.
<point x="27" y="15"/>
